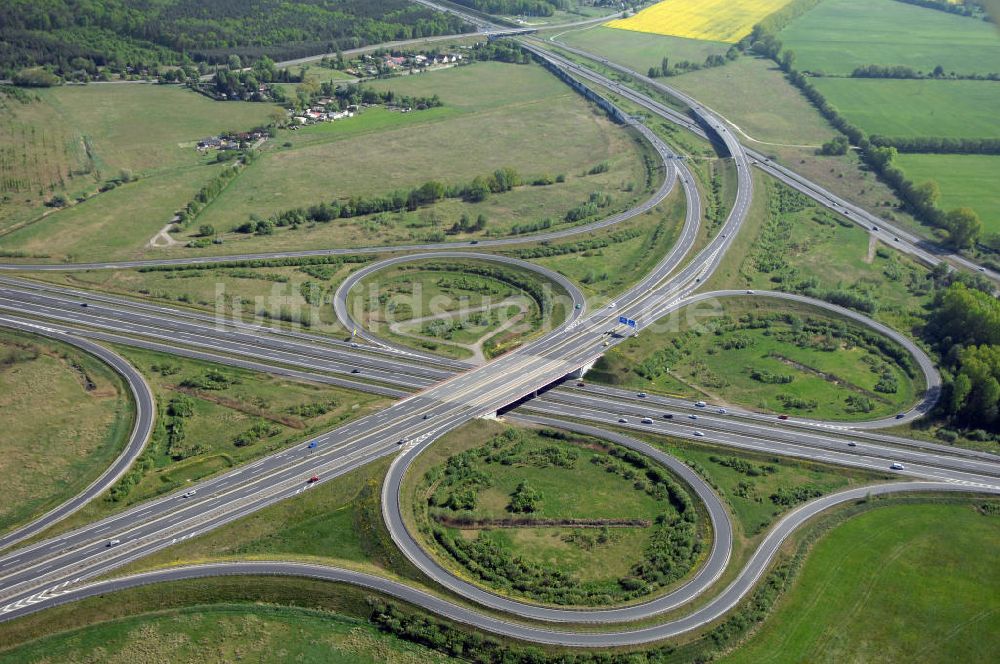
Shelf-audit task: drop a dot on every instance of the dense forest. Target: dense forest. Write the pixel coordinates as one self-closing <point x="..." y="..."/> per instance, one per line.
<point x="515" y="7"/>
<point x="964" y="326"/>
<point x="72" y="35"/>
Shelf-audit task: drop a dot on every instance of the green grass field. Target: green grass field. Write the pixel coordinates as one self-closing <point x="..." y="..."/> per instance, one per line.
<point x="40" y="155"/>
<point x="148" y="130"/>
<point x="595" y="556"/>
<point x="641" y="50"/>
<point x="443" y="307"/>
<point x="226" y="633"/>
<point x="965" y="181"/>
<point x="267" y="412"/>
<point x="955" y="109"/>
<point x="810" y="246"/>
<point x="115" y="223"/>
<point x="838" y="35"/>
<point x="66" y="416"/>
<point x="633" y="248"/>
<point x="793" y="367"/>
<point x="749" y="495"/>
<point x="754" y="95"/>
<point x="494" y="116"/>
<point x="900" y="583"/>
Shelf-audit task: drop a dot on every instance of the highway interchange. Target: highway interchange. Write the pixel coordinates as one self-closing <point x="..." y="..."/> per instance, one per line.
<point x="436" y="395"/>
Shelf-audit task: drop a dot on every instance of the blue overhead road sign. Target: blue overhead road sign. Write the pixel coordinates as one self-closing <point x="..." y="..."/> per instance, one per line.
<point x="627" y="321"/>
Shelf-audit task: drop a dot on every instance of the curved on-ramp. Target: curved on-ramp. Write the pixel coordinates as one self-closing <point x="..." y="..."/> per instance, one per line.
<point x="706" y="574"/>
<point x="932" y="377"/>
<point x="142" y="427"/>
<point x="343" y="312"/>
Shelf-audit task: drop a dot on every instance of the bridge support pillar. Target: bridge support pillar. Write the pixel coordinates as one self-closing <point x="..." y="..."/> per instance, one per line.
<point x="578" y="374"/>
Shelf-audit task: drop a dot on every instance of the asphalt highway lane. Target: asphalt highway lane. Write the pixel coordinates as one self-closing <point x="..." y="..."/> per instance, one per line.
<point x="772" y="439"/>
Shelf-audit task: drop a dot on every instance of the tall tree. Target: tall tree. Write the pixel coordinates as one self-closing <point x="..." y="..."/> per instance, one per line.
<point x="964" y="227"/>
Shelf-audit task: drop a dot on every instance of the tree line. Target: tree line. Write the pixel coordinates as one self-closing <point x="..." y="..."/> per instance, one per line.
<point x="235" y="83"/>
<point x="906" y="72"/>
<point x="117" y="32"/>
<point x="962" y="224"/>
<point x="938" y="144"/>
<point x="515" y="7"/>
<point x="666" y="68"/>
<point x="354" y="94"/>
<point x="960" y="8"/>
<point x="400" y="200"/>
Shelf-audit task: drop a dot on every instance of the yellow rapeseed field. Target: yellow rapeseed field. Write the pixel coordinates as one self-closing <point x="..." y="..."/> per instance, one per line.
<point x="713" y="20"/>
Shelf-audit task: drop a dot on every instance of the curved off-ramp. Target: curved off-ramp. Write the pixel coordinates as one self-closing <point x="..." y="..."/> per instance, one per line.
<point x="142" y="427"/>
<point x="932" y="377"/>
<point x="578" y="303"/>
<point x="717" y="608"/>
<point x="704" y="576"/>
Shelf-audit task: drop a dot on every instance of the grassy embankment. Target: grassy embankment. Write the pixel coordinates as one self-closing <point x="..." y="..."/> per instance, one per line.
<point x="66" y="416"/>
<point x="770" y="357"/>
<point x="229" y="632"/>
<point x="790" y="243"/>
<point x="212" y="418"/>
<point x="444" y="306"/>
<point x="217" y="620"/>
